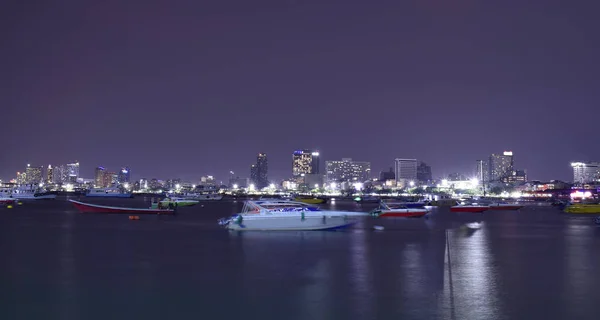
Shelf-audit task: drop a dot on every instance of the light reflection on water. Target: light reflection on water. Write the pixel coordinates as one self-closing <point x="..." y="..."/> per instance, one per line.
<point x="528" y="264"/>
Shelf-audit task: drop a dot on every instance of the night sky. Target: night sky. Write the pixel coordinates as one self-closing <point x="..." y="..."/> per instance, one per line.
<point x="190" y="88"/>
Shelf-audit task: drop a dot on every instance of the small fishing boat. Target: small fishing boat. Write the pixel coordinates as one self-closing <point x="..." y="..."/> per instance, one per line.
<point x="469" y="208"/>
<point x="174" y="201"/>
<point x="391" y="209"/>
<point x="272" y="214"/>
<point x="504" y="206"/>
<point x="95" y="208"/>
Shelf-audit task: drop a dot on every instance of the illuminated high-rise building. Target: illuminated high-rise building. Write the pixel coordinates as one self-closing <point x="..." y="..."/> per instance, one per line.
<point x="586" y="172"/>
<point x="305" y="162"/>
<point x="33" y="175"/>
<point x="501" y="166"/>
<point x="124" y="175"/>
<point x="72" y="172"/>
<point x="347" y="170"/>
<point x="109" y="179"/>
<point x="259" y="172"/>
<point x="21" y="178"/>
<point x="406" y="170"/>
<point x="49" y="174"/>
<point x="60" y="174"/>
<point x="99" y="177"/>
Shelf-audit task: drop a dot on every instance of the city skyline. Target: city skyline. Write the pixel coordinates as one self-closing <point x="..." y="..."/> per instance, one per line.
<point x="202" y="89"/>
<point x="473" y="173"/>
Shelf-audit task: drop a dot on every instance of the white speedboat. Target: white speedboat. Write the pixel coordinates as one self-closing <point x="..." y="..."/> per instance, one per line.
<point x="31" y="192"/>
<point x="272" y="214"/>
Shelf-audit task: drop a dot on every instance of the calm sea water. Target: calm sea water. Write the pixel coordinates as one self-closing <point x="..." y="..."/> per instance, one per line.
<point x="533" y="264"/>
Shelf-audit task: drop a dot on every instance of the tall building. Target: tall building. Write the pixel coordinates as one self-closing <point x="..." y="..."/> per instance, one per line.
<point x="72" y="172"/>
<point x="99" y="177"/>
<point x="586" y="172"/>
<point x="21" y="178"/>
<point x="33" y="175"/>
<point x="501" y="166"/>
<point x="124" y="175"/>
<point x="483" y="170"/>
<point x="60" y="174"/>
<point x="259" y="172"/>
<point x="347" y="170"/>
<point x="387" y="175"/>
<point x="305" y="162"/>
<point x="424" y="172"/>
<point x="406" y="170"/>
<point x="49" y="174"/>
<point x="109" y="179"/>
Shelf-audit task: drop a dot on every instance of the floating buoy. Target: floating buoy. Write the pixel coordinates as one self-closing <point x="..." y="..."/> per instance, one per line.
<point x="9" y="206"/>
<point x="134" y="217"/>
<point x="378" y="228"/>
<point x="20" y="203"/>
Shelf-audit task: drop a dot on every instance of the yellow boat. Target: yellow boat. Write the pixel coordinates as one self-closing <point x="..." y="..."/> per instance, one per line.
<point x="591" y="208"/>
<point x="311" y="200"/>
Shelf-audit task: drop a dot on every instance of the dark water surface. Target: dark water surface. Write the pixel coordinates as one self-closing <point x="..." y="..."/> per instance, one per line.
<point x="532" y="264"/>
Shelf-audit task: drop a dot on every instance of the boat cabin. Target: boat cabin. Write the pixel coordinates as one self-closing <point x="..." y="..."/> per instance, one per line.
<point x="254" y="207"/>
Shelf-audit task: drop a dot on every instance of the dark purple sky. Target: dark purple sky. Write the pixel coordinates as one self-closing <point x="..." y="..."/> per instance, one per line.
<point x="189" y="88"/>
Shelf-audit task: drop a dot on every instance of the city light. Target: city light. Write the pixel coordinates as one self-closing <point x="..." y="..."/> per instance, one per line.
<point x="316" y="154"/>
<point x="272" y="186"/>
<point x="40" y="185"/>
<point x="444" y="183"/>
<point x="251" y="187"/>
<point x="69" y="187"/>
<point x="178" y="186"/>
<point x="235" y="186"/>
<point x="126" y="185"/>
<point x="474" y="181"/>
<point x="581" y="195"/>
<point x="358" y="186"/>
<point x="333" y="185"/>
<point x="412" y="183"/>
<point x="316" y="186"/>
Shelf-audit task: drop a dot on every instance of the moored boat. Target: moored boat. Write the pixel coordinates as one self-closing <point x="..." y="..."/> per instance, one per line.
<point x="95" y="208"/>
<point x="109" y="193"/>
<point x="174" y="201"/>
<point x="274" y="214"/>
<point x="31" y="192"/>
<point x="391" y="209"/>
<point x="469" y="208"/>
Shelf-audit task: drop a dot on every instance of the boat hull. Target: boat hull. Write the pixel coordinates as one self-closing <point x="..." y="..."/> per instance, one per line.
<point x="93" y="208"/>
<point x="402" y="214"/>
<point x="266" y="223"/>
<point x="475" y="209"/>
